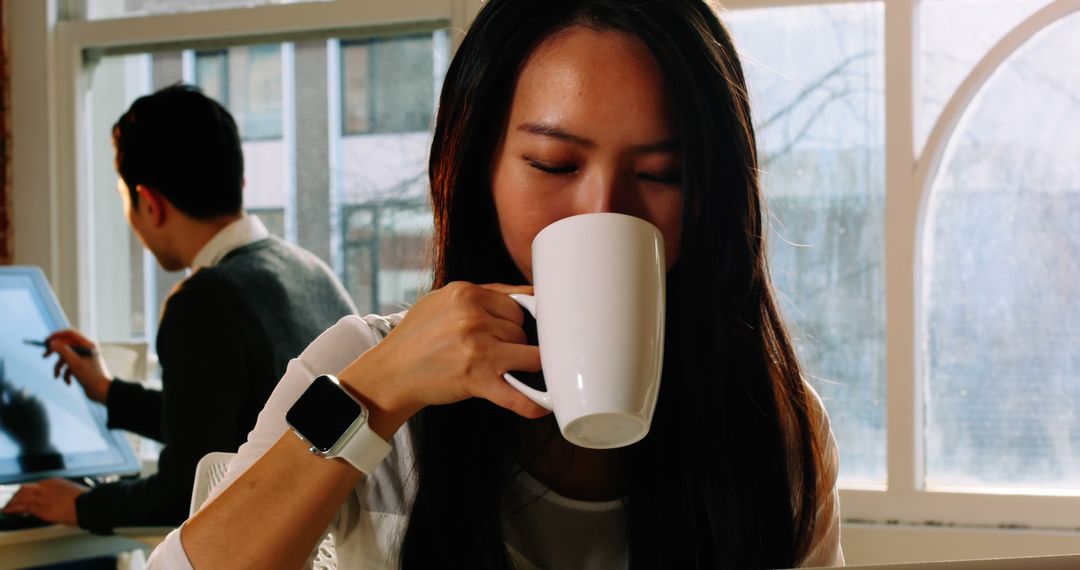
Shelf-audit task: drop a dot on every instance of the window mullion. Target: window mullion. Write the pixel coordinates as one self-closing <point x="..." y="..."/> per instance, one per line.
<point x="904" y="402"/>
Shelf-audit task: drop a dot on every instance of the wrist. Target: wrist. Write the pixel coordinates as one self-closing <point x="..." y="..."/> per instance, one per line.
<point x="389" y="408"/>
<point x="101" y="390"/>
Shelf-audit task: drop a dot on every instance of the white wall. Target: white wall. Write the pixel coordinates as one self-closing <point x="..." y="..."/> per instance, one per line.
<point x="880" y="544"/>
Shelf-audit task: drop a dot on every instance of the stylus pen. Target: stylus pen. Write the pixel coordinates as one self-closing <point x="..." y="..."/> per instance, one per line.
<point x="80" y="350"/>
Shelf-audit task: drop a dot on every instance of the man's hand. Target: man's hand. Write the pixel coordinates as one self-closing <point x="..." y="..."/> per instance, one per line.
<point x="90" y="371"/>
<point x="50" y="500"/>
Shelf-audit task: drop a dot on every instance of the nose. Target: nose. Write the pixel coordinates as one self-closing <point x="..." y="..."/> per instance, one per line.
<point x="609" y="192"/>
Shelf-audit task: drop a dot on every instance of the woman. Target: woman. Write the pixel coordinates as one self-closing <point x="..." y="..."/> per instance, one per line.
<point x="553" y="108"/>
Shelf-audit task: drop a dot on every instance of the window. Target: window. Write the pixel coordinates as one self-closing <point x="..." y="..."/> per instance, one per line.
<point x="955" y="34"/>
<point x="386" y="246"/>
<point x="1002" y="263"/>
<point x="212" y="74"/>
<point x="255" y="86"/>
<point x="369" y="219"/>
<point x="388" y="94"/>
<point x="922" y="186"/>
<point x="388" y="85"/>
<point x="818" y="102"/>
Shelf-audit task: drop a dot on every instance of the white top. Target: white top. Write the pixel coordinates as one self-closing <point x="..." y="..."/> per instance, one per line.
<point x="370" y="524"/>
<point x="248" y="229"/>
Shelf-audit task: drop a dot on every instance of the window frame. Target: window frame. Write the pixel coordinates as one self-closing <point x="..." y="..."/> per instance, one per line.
<point x="56" y="234"/>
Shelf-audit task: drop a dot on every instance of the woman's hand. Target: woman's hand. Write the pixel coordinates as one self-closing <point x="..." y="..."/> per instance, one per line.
<point x="454" y="344"/>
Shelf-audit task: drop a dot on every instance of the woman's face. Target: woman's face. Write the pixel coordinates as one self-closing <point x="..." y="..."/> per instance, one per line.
<point x="591" y="129"/>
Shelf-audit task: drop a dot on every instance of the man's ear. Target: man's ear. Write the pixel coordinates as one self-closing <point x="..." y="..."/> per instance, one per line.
<point x="152" y="204"/>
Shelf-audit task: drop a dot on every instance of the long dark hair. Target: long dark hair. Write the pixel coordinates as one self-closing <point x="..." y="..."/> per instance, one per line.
<point x="728" y="476"/>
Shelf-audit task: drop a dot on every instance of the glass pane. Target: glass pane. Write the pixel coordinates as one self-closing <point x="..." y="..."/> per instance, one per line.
<point x="955" y="35"/>
<point x="1000" y="274"/>
<point x="388" y="98"/>
<point x="386" y="251"/>
<point x="818" y="104"/>
<point x="101" y="9"/>
<point x="255" y="89"/>
<point x="212" y="73"/>
<point x="388" y="85"/>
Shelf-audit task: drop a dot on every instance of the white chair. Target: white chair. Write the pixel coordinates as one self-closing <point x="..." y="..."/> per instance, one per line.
<point x="211" y="470"/>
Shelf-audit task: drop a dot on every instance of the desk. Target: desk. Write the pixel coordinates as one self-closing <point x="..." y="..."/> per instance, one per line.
<point x="59" y="543"/>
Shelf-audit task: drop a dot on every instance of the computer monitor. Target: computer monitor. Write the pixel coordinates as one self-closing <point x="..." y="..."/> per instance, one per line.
<point x="47" y="428"/>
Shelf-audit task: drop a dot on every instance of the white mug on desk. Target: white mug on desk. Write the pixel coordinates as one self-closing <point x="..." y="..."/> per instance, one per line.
<point x="599" y="308"/>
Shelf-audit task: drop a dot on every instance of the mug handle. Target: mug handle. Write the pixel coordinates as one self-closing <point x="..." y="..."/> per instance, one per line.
<point x="528" y="302"/>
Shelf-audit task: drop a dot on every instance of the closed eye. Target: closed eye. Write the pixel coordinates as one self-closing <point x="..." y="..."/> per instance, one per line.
<point x="672" y="178"/>
<point x="551" y="168"/>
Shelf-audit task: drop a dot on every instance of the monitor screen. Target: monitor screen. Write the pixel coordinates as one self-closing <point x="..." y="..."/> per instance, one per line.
<point x="47" y="428"/>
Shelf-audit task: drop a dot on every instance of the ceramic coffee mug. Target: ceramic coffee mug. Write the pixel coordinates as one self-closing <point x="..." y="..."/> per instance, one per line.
<point x="599" y="308"/>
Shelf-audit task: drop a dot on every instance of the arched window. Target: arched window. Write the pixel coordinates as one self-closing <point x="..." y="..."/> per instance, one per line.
<point x="1000" y="277"/>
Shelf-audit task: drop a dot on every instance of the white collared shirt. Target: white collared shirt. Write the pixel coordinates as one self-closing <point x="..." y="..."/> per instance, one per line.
<point x="248" y="229"/>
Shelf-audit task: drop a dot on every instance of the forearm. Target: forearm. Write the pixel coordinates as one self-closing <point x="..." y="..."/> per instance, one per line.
<point x="142" y="502"/>
<point x="134" y="408"/>
<point x="272" y="515"/>
<point x="276" y="511"/>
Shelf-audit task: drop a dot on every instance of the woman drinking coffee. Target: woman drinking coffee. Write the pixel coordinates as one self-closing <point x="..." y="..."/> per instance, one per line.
<point x="427" y="457"/>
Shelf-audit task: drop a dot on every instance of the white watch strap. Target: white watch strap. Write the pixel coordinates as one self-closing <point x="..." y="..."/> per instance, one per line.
<point x="364" y="450"/>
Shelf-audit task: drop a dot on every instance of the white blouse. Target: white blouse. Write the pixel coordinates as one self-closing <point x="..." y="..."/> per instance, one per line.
<point x="370" y="524"/>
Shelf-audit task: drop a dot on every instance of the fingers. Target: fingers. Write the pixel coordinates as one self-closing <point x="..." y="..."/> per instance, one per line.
<point x="509" y="289"/>
<point x="66" y="339"/>
<point x="70" y="336"/>
<point x="63" y="368"/>
<point x="497" y="302"/>
<point x="458" y="341"/>
<point x="522" y="357"/>
<point x="507" y="331"/>
<point x="25" y="499"/>
<point x="66" y="352"/>
<point x="495" y="389"/>
<point x="492" y="299"/>
<point x="504" y="395"/>
<point x="63" y="364"/>
<point x="54" y="341"/>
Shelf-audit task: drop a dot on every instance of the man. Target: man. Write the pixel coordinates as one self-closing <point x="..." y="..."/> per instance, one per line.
<point x="251" y="303"/>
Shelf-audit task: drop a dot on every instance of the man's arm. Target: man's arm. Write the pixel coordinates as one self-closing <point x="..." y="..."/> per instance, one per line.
<point x="134" y="408"/>
<point x="204" y="377"/>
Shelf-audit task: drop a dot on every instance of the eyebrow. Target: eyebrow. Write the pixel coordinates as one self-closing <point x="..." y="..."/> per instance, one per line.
<point x="551" y="131"/>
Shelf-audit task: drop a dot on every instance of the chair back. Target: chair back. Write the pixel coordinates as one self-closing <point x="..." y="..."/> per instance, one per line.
<point x="209" y="472"/>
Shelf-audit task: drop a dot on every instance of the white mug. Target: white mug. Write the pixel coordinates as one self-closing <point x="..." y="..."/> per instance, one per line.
<point x="599" y="306"/>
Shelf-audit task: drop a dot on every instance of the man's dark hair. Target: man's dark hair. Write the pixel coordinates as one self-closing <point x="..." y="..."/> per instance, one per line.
<point x="186" y="146"/>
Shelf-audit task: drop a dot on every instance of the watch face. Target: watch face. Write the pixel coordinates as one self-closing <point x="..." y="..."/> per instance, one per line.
<point x="323" y="413"/>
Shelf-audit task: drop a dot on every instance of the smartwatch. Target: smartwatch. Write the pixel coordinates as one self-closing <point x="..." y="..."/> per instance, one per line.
<point x="335" y="424"/>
